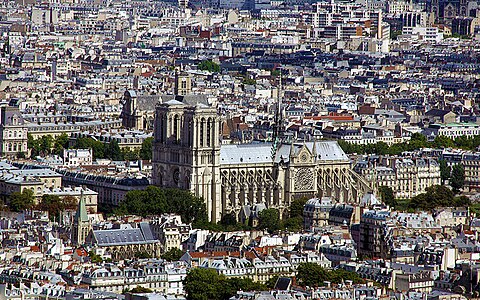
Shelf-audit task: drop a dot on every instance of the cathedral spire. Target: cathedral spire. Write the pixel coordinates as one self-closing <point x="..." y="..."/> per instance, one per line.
<point x="81" y="215"/>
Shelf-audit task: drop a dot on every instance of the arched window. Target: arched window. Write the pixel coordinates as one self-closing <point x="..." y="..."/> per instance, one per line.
<point x="202" y="124"/>
<point x="209" y="136"/>
<point x="175" y="128"/>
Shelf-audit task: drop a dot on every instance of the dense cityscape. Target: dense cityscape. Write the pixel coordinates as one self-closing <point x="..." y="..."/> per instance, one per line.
<point x="241" y="149"/>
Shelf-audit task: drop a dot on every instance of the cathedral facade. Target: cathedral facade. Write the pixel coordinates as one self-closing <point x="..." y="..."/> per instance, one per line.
<point x="188" y="154"/>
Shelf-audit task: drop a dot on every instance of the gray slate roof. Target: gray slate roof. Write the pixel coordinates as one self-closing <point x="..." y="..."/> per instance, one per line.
<point x="116" y="237"/>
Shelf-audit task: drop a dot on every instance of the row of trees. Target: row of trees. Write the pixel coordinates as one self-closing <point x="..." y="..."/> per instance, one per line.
<point x="417" y="141"/>
<point x="153" y="201"/>
<point x="268" y="219"/>
<point x="46" y="145"/>
<point x="156" y="201"/>
<point x="53" y="204"/>
<point x="207" y="284"/>
<point x="434" y="197"/>
<point x="313" y="275"/>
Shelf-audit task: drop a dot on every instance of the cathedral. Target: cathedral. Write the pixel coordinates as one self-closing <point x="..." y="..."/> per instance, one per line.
<point x="188" y="154"/>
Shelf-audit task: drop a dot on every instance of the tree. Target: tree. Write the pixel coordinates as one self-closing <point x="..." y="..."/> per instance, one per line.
<point x="98" y="148"/>
<point x="296" y="207"/>
<point x="173" y="254"/>
<point x="312" y="275"/>
<point x="434" y="196"/>
<point x="153" y="201"/>
<point x="33" y="145"/>
<point x="269" y="219"/>
<point x="442" y="141"/>
<point x="387" y="195"/>
<point x="445" y="170"/>
<point x="53" y="205"/>
<point x="208" y="65"/>
<point x="21" y="201"/>
<point x="417" y="141"/>
<point x="113" y="151"/>
<point x="140" y="290"/>
<point x="94" y="258"/>
<point x="70" y="202"/>
<point x="130" y="154"/>
<point x="204" y="284"/>
<point x="46" y="144"/>
<point x="458" y="178"/>
<point x="249" y="81"/>
<point x="142" y="255"/>
<point x="147" y="149"/>
<point x="60" y="143"/>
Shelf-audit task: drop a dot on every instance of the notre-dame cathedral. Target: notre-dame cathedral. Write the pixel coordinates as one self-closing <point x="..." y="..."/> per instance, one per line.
<point x="188" y="154"/>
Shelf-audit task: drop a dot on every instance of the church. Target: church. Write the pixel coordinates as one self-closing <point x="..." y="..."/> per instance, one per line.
<point x="188" y="154"/>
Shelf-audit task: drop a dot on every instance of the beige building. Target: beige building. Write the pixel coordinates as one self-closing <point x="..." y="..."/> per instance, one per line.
<point x="407" y="177"/>
<point x="13" y="132"/>
<point x="188" y="154"/>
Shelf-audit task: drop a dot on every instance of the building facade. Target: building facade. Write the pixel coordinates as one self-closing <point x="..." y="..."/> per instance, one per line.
<point x="188" y="154"/>
<point x="13" y="132"/>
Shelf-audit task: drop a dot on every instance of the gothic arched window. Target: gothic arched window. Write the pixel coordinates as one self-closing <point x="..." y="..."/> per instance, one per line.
<point x="202" y="124"/>
<point x="209" y="136"/>
<point x="175" y="128"/>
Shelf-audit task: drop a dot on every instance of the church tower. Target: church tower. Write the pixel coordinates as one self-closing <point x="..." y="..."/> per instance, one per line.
<point x="186" y="151"/>
<point x="81" y="224"/>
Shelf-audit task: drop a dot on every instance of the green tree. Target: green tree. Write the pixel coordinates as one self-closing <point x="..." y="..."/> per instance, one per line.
<point x="313" y="275"/>
<point x="98" y="148"/>
<point x="434" y="196"/>
<point x="130" y="154"/>
<point x="442" y="141"/>
<point x="113" y="151"/>
<point x="417" y="141"/>
<point x="387" y="195"/>
<point x="142" y="255"/>
<point x="249" y="81"/>
<point x="60" y="143"/>
<point x="445" y="170"/>
<point x="153" y="201"/>
<point x="461" y="201"/>
<point x="33" y="145"/>
<point x="204" y="284"/>
<point x="208" y="65"/>
<point x="269" y="219"/>
<point x="296" y="207"/>
<point x="94" y="258"/>
<point x="147" y="149"/>
<point x="395" y="33"/>
<point x="458" y="178"/>
<point x="173" y="254"/>
<point x="21" y="201"/>
<point x="53" y="204"/>
<point x="140" y="290"/>
<point x="293" y="224"/>
<point x="46" y="144"/>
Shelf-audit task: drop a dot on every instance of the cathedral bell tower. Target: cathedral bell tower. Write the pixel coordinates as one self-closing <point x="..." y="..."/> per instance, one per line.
<point x="81" y="224"/>
<point x="186" y="151"/>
